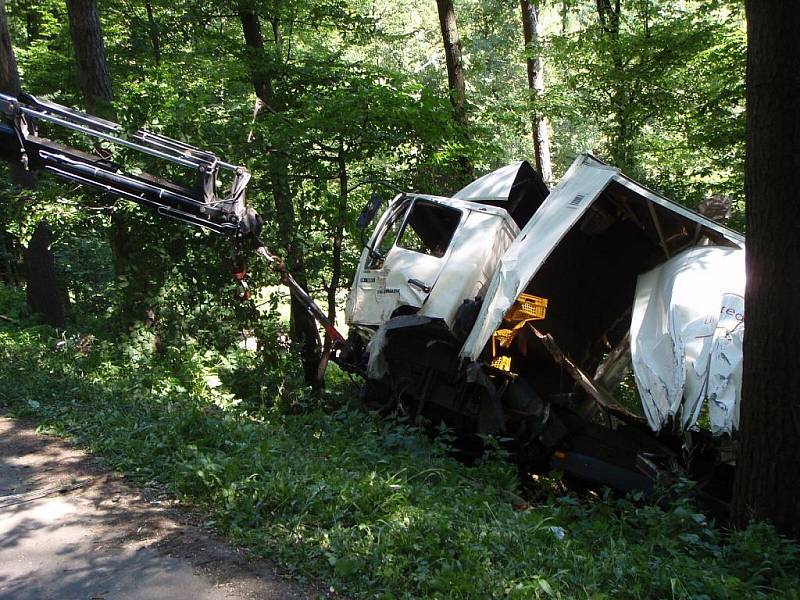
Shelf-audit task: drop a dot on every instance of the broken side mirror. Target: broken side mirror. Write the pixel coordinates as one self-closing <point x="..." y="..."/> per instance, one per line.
<point x="369" y="211"/>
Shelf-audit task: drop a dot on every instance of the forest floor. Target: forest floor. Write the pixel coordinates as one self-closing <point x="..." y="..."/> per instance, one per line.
<point x="71" y="529"/>
<point x="341" y="501"/>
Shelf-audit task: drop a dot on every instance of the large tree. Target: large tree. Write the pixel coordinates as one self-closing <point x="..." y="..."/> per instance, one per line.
<point x="535" y="68"/>
<point x="90" y="54"/>
<point x="456" y="82"/>
<point x="44" y="294"/>
<point x="9" y="76"/>
<point x="10" y="84"/>
<point x="768" y="470"/>
<point x="303" y="326"/>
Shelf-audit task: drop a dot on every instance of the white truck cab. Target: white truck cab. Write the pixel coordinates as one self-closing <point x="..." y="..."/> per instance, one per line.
<point x="427" y="255"/>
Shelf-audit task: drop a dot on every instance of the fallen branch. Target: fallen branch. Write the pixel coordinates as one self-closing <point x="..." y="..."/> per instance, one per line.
<point x="7" y="319"/>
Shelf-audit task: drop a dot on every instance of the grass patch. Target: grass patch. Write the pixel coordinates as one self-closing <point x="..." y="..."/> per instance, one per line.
<point x="373" y="508"/>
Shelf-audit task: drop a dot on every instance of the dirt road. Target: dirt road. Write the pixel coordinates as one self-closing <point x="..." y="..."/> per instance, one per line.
<point x="70" y="530"/>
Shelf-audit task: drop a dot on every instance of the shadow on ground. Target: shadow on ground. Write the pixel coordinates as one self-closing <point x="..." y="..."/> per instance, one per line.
<point x="70" y="529"/>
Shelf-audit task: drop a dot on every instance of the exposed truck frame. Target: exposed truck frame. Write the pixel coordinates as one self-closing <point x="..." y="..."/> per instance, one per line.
<point x="506" y="309"/>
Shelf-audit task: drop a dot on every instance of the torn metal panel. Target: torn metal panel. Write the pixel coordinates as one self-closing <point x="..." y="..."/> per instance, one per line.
<point x="518" y="188"/>
<point x="492" y="187"/>
<point x="565" y="205"/>
<point x="686" y="338"/>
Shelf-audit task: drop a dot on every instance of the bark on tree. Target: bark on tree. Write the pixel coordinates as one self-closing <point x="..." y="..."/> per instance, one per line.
<point x="90" y="54"/>
<point x="9" y="274"/>
<point x="95" y="82"/>
<point x="33" y="21"/>
<point x="9" y="75"/>
<point x="768" y="465"/>
<point x="541" y="140"/>
<point x="303" y="326"/>
<point x="152" y="30"/>
<point x="623" y="97"/>
<point x="609" y="15"/>
<point x="44" y="294"/>
<point x="456" y="83"/>
<point x="10" y="84"/>
<point x="338" y="235"/>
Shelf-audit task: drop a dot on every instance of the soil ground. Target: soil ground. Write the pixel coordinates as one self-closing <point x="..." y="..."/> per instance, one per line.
<point x="70" y="529"/>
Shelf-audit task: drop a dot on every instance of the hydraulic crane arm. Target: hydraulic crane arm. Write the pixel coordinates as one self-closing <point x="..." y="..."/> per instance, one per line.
<point x="198" y="204"/>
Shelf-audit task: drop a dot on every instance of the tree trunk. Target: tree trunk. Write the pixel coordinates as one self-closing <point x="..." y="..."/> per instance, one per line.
<point x="768" y="477"/>
<point x="44" y="294"/>
<point x="8" y="260"/>
<point x="303" y="326"/>
<point x="455" y="65"/>
<point x="338" y="236"/>
<point x="120" y="240"/>
<point x="152" y="30"/>
<point x="10" y="84"/>
<point x="541" y="140"/>
<point x="9" y="75"/>
<point x="97" y="90"/>
<point x="609" y="16"/>
<point x="623" y="97"/>
<point x="90" y="54"/>
<point x="456" y="83"/>
<point x="33" y="22"/>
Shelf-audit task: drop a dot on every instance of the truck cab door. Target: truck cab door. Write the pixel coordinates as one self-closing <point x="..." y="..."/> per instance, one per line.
<point x="404" y="259"/>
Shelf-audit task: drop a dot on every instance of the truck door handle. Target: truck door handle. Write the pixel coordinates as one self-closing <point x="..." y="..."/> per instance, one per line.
<point x="421" y="285"/>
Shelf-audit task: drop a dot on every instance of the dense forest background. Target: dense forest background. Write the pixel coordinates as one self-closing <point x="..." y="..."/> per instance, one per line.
<point x="151" y="363"/>
<point x="357" y="102"/>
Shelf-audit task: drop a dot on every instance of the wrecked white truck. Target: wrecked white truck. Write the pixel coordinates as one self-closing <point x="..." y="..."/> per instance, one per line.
<point x="516" y="311"/>
<point x="507" y="309"/>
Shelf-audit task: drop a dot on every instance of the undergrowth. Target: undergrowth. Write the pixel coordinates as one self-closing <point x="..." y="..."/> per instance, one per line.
<point x="372" y="508"/>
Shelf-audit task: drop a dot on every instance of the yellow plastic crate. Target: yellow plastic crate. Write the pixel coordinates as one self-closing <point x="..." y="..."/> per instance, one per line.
<point x="528" y="308"/>
<point x="504" y="337"/>
<point x="502" y="363"/>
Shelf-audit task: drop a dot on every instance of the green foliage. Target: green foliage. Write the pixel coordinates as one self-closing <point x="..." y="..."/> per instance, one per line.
<point x="373" y="508"/>
<point x="662" y="96"/>
<point x="12" y="305"/>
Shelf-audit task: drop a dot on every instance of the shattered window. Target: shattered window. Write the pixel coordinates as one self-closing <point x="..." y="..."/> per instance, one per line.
<point x="391" y="229"/>
<point x="429" y="228"/>
<point x="389" y="236"/>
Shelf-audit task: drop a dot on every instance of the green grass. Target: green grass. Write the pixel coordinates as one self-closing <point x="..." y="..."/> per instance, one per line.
<point x="372" y="508"/>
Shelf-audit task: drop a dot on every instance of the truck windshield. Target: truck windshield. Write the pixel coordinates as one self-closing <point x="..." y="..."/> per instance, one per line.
<point x="429" y="228"/>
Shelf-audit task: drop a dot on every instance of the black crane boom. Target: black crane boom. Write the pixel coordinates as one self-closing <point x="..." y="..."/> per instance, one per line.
<point x="199" y="204"/>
